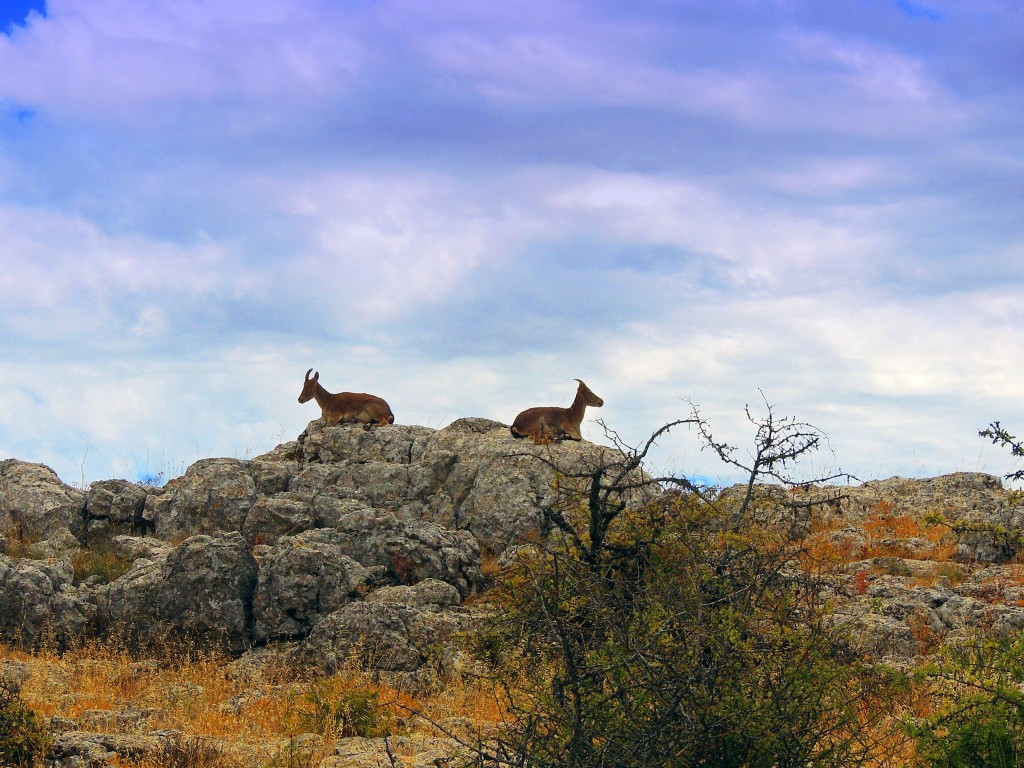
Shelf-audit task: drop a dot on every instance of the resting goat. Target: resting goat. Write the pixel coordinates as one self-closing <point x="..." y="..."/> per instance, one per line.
<point x="547" y="424"/>
<point x="346" y="406"/>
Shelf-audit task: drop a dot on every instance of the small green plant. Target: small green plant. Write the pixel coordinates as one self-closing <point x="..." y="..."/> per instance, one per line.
<point x="100" y="563"/>
<point x="23" y="740"/>
<point x="346" y="713"/>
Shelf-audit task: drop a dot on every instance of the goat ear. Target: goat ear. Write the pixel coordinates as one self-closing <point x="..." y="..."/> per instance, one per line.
<point x="316" y="375"/>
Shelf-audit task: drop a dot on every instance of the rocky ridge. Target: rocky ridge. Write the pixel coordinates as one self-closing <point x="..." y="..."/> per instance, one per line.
<point x="346" y="537"/>
<point x="351" y="542"/>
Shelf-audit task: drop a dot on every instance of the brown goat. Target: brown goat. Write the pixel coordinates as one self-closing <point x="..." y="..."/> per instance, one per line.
<point x="550" y="423"/>
<point x="346" y="406"/>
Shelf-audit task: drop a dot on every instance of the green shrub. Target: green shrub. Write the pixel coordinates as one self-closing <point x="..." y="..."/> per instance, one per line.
<point x="23" y="740"/>
<point x="99" y="562"/>
<point x="346" y="713"/>
<point x="980" y="720"/>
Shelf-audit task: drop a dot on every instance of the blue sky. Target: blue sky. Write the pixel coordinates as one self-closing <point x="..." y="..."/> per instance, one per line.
<point x="464" y="206"/>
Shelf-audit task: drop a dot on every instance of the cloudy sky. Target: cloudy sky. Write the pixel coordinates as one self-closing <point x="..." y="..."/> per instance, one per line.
<point x="462" y="206"/>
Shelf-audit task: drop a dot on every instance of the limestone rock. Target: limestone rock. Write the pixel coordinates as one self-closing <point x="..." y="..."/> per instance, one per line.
<point x="884" y="637"/>
<point x="425" y="594"/>
<point x="954" y="495"/>
<point x="409" y="551"/>
<point x="200" y="591"/>
<point x="134" y="547"/>
<point x="302" y="579"/>
<point x="272" y="517"/>
<point x="120" y="503"/>
<point x="40" y="602"/>
<point x="34" y="502"/>
<point x="472" y="475"/>
<point x="61" y="545"/>
<point x="390" y="638"/>
<point x="213" y="496"/>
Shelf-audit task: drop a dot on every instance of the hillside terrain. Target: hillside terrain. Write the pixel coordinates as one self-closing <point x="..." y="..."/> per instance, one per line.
<point x="313" y="605"/>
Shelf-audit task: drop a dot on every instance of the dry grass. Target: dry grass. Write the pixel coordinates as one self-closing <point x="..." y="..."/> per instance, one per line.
<point x="250" y="709"/>
<point x="489" y="566"/>
<point x="99" y="563"/>
<point x="888" y="533"/>
<point x="15" y="545"/>
<point x="882" y="534"/>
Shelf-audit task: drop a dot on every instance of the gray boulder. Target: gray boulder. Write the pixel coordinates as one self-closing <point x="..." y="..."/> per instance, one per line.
<point x="135" y="547"/>
<point x="380" y="636"/>
<point x="34" y="502"/>
<point x="392" y="444"/>
<point x="201" y="591"/>
<point x="273" y="471"/>
<point x="41" y="604"/>
<point x="429" y="593"/>
<point x="273" y="517"/>
<point x="213" y="496"/>
<point x="301" y="580"/>
<point x="409" y="552"/>
<point x="62" y="545"/>
<point x="120" y="504"/>
<point x="884" y="637"/>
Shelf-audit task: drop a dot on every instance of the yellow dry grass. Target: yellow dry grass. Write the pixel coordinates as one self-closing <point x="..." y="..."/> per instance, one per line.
<point x="887" y="531"/>
<point x="206" y="697"/>
<point x="885" y="534"/>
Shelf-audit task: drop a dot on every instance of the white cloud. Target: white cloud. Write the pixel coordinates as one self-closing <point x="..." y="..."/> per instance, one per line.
<point x="873" y="70"/>
<point x="901" y="388"/>
<point x="760" y="245"/>
<point x="830" y="178"/>
<point x="64" y="277"/>
<point x="385" y="244"/>
<point x="861" y="86"/>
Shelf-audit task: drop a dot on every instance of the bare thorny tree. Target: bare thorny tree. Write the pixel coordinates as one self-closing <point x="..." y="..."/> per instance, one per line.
<point x="613" y="483"/>
<point x="657" y="624"/>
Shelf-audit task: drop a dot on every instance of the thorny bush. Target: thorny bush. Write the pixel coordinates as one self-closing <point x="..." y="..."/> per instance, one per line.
<point x="667" y="629"/>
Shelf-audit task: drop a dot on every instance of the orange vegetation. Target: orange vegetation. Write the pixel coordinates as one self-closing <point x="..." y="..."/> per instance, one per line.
<point x="247" y="706"/>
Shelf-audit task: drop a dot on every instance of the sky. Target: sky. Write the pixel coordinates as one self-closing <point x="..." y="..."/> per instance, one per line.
<point x="463" y="206"/>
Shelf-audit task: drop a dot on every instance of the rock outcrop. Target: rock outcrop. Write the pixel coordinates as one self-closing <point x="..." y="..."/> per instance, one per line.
<point x="200" y="591"/>
<point x="356" y="546"/>
<point x="362" y="543"/>
<point x="301" y="580"/>
<point x="34" y="502"/>
<point x="347" y="541"/>
<point x="39" y="602"/>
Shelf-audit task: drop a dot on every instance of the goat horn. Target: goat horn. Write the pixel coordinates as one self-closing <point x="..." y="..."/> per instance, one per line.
<point x="307" y="374"/>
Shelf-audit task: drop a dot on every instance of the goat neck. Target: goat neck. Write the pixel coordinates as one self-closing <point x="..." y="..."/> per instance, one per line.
<point x="578" y="407"/>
